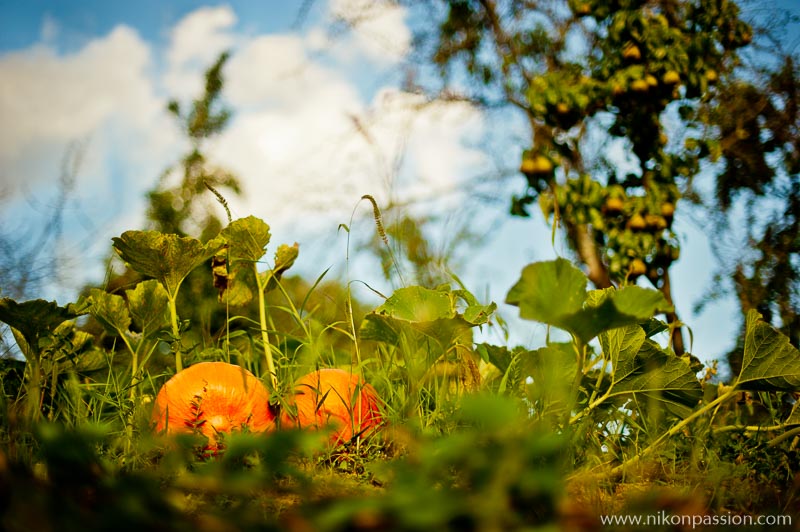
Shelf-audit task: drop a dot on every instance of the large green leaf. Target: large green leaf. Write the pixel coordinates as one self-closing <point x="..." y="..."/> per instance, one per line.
<point x="770" y="362"/>
<point x="640" y="366"/>
<point x="33" y="320"/>
<point x="148" y="306"/>
<point x="554" y="292"/>
<point x="168" y="258"/>
<point x="418" y="310"/>
<point x="247" y="239"/>
<point x="552" y="369"/>
<point x="549" y="291"/>
<point x="109" y="310"/>
<point x="417" y="304"/>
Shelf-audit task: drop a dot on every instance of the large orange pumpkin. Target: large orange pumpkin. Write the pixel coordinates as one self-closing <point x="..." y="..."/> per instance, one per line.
<point x="213" y="398"/>
<point x="337" y="398"/>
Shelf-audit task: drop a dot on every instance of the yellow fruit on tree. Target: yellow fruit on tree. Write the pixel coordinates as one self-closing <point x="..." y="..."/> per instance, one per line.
<point x="637" y="267"/>
<point x="639" y="85"/>
<point x="613" y="205"/>
<point x="631" y="52"/>
<point x="671" y="77"/>
<point x="636" y="223"/>
<point x="536" y="165"/>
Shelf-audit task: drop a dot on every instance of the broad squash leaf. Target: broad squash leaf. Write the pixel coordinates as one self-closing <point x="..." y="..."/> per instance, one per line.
<point x="554" y="292"/>
<point x="770" y="362"/>
<point x="553" y="371"/>
<point x="640" y="366"/>
<point x="247" y="239"/>
<point x="416" y="309"/>
<point x="109" y="310"/>
<point x="148" y="306"/>
<point x="33" y="320"/>
<point x="168" y="258"/>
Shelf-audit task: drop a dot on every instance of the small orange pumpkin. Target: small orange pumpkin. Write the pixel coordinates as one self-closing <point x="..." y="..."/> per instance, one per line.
<point x="212" y="398"/>
<point x="337" y="398"/>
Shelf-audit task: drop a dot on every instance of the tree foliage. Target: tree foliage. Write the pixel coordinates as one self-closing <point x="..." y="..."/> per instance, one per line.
<point x="662" y="83"/>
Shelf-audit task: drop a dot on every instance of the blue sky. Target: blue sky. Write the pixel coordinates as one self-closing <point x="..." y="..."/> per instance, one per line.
<point x="319" y="120"/>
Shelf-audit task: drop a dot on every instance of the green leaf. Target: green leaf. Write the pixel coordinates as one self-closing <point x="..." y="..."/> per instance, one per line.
<point x="554" y="293"/>
<point x="284" y="259"/>
<point x="109" y="310"/>
<point x="418" y="304"/>
<point x="379" y="328"/>
<point x="417" y="310"/>
<point x="475" y="313"/>
<point x="168" y="258"/>
<point x="654" y="326"/>
<point x="247" y="239"/>
<point x="620" y="347"/>
<point x="553" y="371"/>
<point x="148" y="304"/>
<point x="640" y="366"/>
<point x="770" y="362"/>
<point x="499" y="356"/>
<point x="34" y="320"/>
<point x="549" y="291"/>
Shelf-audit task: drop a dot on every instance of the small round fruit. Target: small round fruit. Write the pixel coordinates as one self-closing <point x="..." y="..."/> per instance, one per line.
<point x="712" y="76"/>
<point x="613" y="205"/>
<point x="655" y="222"/>
<point x="536" y="165"/>
<point x="637" y="267"/>
<point x="671" y="77"/>
<point x="631" y="52"/>
<point x="651" y="80"/>
<point x="583" y="9"/>
<point x="562" y="108"/>
<point x="668" y="210"/>
<point x="636" y="223"/>
<point x="639" y="85"/>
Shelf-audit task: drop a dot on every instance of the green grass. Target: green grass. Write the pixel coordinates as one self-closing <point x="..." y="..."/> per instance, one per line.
<point x="470" y="442"/>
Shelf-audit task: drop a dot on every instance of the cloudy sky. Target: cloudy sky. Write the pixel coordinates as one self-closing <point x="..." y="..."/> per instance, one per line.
<point x="319" y="120"/>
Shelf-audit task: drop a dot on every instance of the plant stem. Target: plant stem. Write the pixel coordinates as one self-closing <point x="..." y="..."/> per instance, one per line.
<point x="580" y="356"/>
<point x="262" y="317"/>
<point x="176" y="331"/>
<point x="34" y="389"/>
<point x="675" y="429"/>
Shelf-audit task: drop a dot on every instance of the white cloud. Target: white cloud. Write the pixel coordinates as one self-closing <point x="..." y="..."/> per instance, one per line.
<point x="48" y="101"/>
<point x="306" y="140"/>
<point x="195" y="43"/>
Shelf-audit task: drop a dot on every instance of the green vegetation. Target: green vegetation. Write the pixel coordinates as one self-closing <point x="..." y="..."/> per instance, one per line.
<point x="477" y="437"/>
<point x="607" y="417"/>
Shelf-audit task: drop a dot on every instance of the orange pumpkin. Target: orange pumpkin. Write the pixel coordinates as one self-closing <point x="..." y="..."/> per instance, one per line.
<point x="212" y="398"/>
<point x="337" y="398"/>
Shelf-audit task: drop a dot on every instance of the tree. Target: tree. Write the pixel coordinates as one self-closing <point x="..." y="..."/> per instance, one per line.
<point x="756" y="120"/>
<point x="188" y="208"/>
<point x="622" y="67"/>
